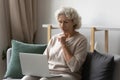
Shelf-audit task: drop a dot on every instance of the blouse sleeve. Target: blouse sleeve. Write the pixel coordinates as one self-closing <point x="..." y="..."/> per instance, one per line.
<point x="79" y="57"/>
<point x="46" y="52"/>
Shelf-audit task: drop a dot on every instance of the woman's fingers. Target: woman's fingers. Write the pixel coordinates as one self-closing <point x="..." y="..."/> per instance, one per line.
<point x="62" y="38"/>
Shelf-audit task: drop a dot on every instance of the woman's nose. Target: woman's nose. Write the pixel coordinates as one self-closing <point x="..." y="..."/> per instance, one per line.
<point x="62" y="24"/>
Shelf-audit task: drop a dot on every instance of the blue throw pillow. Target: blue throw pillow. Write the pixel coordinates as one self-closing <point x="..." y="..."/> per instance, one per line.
<point x="14" y="68"/>
<point x="98" y="67"/>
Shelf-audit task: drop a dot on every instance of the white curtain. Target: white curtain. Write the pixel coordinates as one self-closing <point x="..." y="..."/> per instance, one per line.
<point x="23" y="19"/>
<point x="18" y="20"/>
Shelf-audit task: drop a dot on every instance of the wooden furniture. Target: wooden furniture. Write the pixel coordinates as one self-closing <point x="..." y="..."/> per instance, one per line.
<point x="92" y="36"/>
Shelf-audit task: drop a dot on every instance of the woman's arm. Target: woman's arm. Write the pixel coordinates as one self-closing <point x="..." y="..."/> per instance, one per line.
<point x="67" y="54"/>
<point x="79" y="56"/>
<point x="76" y="59"/>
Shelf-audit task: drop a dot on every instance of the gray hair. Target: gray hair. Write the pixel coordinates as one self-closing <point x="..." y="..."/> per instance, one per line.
<point x="70" y="13"/>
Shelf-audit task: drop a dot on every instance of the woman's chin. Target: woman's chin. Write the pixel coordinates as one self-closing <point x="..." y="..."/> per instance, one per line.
<point x="65" y="31"/>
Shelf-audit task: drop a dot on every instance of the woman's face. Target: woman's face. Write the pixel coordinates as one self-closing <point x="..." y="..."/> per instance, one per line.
<point x="65" y="24"/>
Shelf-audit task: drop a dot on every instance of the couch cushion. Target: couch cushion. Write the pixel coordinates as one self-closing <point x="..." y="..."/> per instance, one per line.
<point x="98" y="67"/>
<point x="14" y="68"/>
<point x="116" y="75"/>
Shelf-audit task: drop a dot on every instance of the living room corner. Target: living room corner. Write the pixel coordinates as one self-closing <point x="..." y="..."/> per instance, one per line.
<point x="22" y="20"/>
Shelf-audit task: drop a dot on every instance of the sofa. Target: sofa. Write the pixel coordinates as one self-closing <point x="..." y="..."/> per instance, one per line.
<point x="116" y="73"/>
<point x="98" y="66"/>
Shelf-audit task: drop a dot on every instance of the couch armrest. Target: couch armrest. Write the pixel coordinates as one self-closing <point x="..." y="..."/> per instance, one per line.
<point x="8" y="55"/>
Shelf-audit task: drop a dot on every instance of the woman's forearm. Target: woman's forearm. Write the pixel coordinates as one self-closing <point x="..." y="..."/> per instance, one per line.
<point x="67" y="54"/>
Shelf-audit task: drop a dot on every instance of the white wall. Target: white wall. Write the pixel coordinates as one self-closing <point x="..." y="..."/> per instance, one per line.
<point x="93" y="12"/>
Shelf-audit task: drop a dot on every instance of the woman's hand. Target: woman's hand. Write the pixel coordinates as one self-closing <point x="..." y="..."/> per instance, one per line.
<point x="67" y="53"/>
<point x="62" y="39"/>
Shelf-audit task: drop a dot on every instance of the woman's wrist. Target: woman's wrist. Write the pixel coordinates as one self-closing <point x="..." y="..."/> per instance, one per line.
<point x="64" y="45"/>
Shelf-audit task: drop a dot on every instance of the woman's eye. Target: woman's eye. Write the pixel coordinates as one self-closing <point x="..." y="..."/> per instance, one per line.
<point x="60" y="21"/>
<point x="66" y="22"/>
<point x="63" y="21"/>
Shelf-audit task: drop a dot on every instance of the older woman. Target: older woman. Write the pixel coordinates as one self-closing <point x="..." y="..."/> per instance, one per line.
<point x="67" y="50"/>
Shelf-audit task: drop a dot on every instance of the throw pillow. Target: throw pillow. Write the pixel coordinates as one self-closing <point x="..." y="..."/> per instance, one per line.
<point x="14" y="68"/>
<point x="98" y="67"/>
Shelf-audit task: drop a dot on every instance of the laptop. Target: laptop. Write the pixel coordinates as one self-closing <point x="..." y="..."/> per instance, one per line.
<point x="35" y="65"/>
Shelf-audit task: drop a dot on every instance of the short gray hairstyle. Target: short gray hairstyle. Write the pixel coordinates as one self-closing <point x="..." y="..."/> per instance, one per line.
<point x="70" y="13"/>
